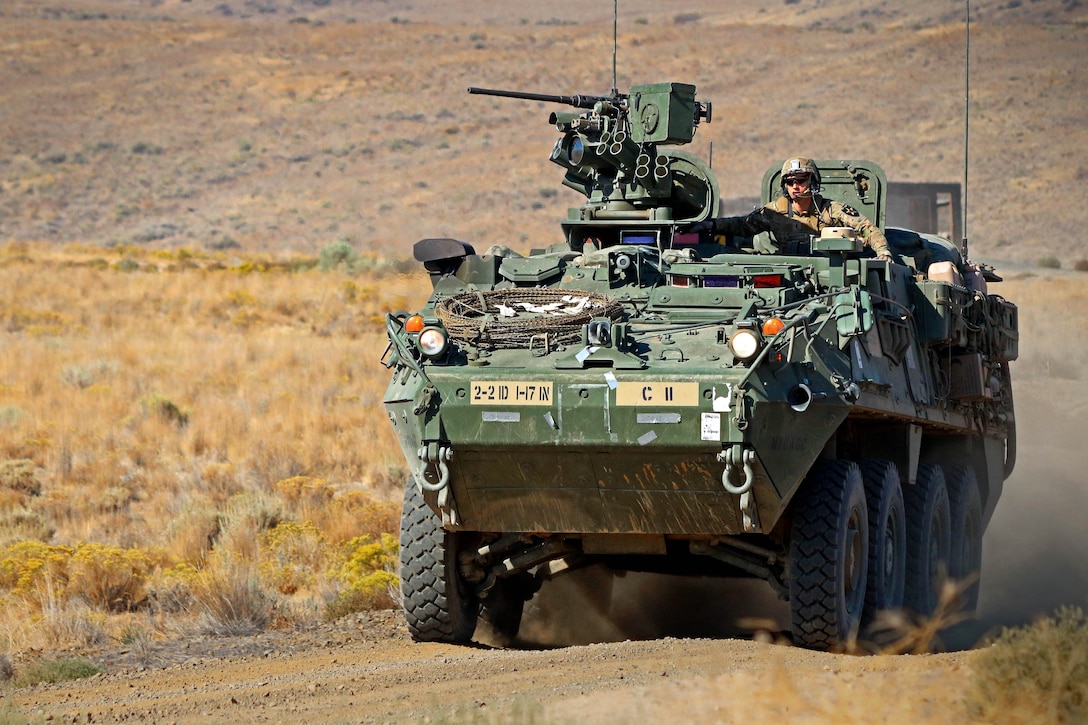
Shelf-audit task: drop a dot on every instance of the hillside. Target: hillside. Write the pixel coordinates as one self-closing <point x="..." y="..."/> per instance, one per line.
<point x="289" y="125"/>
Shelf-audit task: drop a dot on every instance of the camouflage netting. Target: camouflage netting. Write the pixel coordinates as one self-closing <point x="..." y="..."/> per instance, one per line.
<point x="511" y="318"/>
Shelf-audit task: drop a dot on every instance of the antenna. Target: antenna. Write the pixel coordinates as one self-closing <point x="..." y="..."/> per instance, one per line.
<point x="966" y="118"/>
<point x="615" y="42"/>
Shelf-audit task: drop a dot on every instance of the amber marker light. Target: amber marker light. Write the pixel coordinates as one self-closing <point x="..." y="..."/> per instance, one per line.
<point x="413" y="323"/>
<point x="773" y="326"/>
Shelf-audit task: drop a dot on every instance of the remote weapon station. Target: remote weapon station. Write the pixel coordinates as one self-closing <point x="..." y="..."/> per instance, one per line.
<point x="646" y="399"/>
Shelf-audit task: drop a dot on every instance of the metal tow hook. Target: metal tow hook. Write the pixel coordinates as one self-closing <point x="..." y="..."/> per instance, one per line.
<point x="435" y="455"/>
<point x="740" y="457"/>
<point x="734" y="458"/>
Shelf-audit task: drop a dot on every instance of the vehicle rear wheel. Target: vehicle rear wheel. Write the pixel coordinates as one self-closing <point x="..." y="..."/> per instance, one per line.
<point x="928" y="538"/>
<point x="503" y="607"/>
<point x="829" y="556"/>
<point x="437" y="605"/>
<point x="965" y="562"/>
<point x="887" y="538"/>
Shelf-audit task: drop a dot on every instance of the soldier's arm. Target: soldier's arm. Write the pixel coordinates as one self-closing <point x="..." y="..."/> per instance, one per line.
<point x="748" y="225"/>
<point x="848" y="216"/>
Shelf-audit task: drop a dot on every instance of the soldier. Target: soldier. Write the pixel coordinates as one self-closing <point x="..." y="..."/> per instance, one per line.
<point x="797" y="214"/>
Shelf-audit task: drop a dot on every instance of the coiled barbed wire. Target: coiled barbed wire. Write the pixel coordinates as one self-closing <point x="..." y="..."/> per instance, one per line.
<point x="511" y="318"/>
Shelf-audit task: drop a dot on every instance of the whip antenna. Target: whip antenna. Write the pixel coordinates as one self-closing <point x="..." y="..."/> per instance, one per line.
<point x="966" y="118"/>
<point x="615" y="42"/>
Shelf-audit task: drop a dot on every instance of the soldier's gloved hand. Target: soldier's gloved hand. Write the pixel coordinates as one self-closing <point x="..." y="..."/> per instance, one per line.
<point x="884" y="255"/>
<point x="706" y="225"/>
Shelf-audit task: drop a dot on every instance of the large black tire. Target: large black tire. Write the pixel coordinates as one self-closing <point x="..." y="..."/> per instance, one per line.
<point x="929" y="540"/>
<point x="965" y="561"/>
<point x="829" y="557"/>
<point x="887" y="538"/>
<point x="437" y="607"/>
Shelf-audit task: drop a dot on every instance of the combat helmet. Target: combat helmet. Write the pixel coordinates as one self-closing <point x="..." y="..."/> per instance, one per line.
<point x="801" y="165"/>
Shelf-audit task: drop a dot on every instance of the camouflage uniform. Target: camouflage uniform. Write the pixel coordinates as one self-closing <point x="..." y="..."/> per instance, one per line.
<point x="792" y="229"/>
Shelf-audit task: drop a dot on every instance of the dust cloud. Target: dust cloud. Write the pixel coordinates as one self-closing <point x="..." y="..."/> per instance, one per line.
<point x="1035" y="554"/>
<point x="592" y="605"/>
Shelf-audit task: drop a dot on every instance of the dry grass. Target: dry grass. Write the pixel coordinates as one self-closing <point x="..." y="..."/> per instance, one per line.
<point x="167" y="406"/>
<point x="1035" y="674"/>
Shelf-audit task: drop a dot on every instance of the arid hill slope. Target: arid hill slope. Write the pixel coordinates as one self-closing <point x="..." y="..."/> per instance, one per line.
<point x="285" y="125"/>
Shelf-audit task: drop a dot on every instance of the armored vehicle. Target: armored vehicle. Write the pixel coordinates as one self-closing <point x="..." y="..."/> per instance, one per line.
<point x="641" y="397"/>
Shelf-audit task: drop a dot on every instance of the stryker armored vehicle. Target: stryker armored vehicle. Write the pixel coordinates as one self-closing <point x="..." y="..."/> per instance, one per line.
<point x="640" y="397"/>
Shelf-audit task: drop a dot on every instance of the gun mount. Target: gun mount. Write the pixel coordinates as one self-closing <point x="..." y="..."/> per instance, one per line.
<point x="617" y="154"/>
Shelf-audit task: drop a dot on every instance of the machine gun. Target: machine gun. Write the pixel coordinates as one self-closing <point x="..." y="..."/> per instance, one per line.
<point x="576" y="101"/>
<point x="610" y="150"/>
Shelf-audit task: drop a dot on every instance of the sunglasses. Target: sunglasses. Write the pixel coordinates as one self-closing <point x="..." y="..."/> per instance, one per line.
<point x="797" y="180"/>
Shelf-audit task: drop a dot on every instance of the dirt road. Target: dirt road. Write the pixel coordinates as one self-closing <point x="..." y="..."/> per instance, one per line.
<point x="366" y="669"/>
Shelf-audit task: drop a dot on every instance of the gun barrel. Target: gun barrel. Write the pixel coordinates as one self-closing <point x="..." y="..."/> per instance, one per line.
<point x="576" y="101"/>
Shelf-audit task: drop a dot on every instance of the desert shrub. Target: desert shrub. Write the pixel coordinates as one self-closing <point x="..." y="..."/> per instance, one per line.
<point x="1050" y="263"/>
<point x="1081" y="265"/>
<point x="166" y="409"/>
<point x="338" y="254"/>
<point x="366" y="572"/>
<point x="292" y="555"/>
<point x="65" y="624"/>
<point x="171" y="589"/>
<point x="11" y="415"/>
<point x="382" y="267"/>
<point x="29" y="568"/>
<point x="20" y="475"/>
<point x="106" y="577"/>
<point x="155" y="232"/>
<point x="354" y="292"/>
<point x="306" y="490"/>
<point x="192" y="531"/>
<point x="87" y="373"/>
<point x="20" y="523"/>
<point x="1035" y="674"/>
<point x="62" y="670"/>
<point x="357" y="513"/>
<point x="110" y="578"/>
<point x="224" y="243"/>
<point x="350" y="514"/>
<point x="230" y="600"/>
<point x="240" y="298"/>
<point x="247" y="515"/>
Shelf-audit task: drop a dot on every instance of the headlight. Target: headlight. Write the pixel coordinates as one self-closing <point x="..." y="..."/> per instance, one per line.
<point x="745" y="344"/>
<point x="432" y="341"/>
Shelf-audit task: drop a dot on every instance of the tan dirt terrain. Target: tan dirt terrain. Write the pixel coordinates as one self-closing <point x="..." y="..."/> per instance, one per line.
<point x="366" y="669"/>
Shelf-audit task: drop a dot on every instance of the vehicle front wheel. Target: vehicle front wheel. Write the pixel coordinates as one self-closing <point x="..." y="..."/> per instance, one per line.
<point x="829" y="556"/>
<point x="437" y="605"/>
